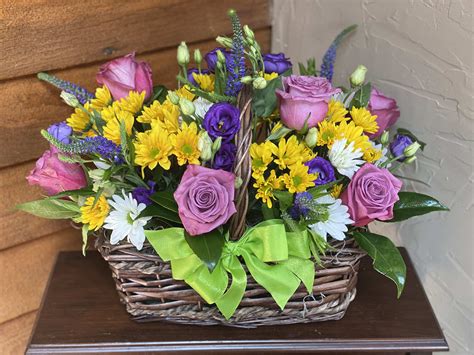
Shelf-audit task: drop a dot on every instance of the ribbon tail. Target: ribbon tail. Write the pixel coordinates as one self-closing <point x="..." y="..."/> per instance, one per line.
<point x="210" y="285"/>
<point x="303" y="269"/>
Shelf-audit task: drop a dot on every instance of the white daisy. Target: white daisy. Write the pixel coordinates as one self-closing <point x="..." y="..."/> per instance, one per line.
<point x="384" y="157"/>
<point x="123" y="221"/>
<point x="202" y="106"/>
<point x="338" y="217"/>
<point x="345" y="159"/>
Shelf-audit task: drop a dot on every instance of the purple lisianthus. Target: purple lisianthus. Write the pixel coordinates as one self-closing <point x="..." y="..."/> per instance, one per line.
<point x="301" y="205"/>
<point x="399" y="144"/>
<point x="61" y="131"/>
<point x="323" y="168"/>
<point x="222" y="120"/>
<point x="211" y="58"/>
<point x="195" y="70"/>
<point x="276" y="63"/>
<point x="142" y="194"/>
<point x="225" y="157"/>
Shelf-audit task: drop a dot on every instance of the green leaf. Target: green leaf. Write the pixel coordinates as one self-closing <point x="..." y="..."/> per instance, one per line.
<point x="51" y="208"/>
<point x="281" y="132"/>
<point x="166" y="200"/>
<point x="406" y="132"/>
<point x="159" y="93"/>
<point x="268" y="213"/>
<point x="208" y="247"/>
<point x="86" y="191"/>
<point x="85" y="234"/>
<point x="264" y="101"/>
<point x="413" y="204"/>
<point x="386" y="256"/>
<point x="161" y="212"/>
<point x="362" y="96"/>
<point x="285" y="199"/>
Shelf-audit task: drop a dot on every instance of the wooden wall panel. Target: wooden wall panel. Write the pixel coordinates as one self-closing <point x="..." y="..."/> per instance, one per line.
<point x="16" y="333"/>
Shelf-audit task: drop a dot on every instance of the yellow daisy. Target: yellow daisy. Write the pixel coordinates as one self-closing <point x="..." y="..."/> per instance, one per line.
<point x="132" y="103"/>
<point x="94" y="214"/>
<point x="269" y="76"/>
<point x="363" y="118"/>
<point x="184" y="92"/>
<point x="153" y="147"/>
<point x="112" y="127"/>
<point x="80" y="121"/>
<point x="336" y="190"/>
<point x="336" y="111"/>
<point x="327" y="133"/>
<point x="372" y="154"/>
<point x="298" y="180"/>
<point x="205" y="81"/>
<point x="291" y="152"/>
<point x="165" y="115"/>
<point x="186" y="144"/>
<point x="261" y="155"/>
<point x="102" y="99"/>
<point x="266" y="187"/>
<point x="354" y="134"/>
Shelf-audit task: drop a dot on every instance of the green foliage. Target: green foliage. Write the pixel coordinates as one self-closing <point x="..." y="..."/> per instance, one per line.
<point x="166" y="200"/>
<point x="51" y="208"/>
<point x="284" y="198"/>
<point x="208" y="247"/>
<point x="264" y="101"/>
<point x="387" y="258"/>
<point x="309" y="69"/>
<point x="86" y="191"/>
<point x="281" y="132"/>
<point x="159" y="93"/>
<point x="413" y="204"/>
<point x="161" y="213"/>
<point x="362" y="96"/>
<point x="85" y="234"/>
<point x="406" y="132"/>
<point x="269" y="213"/>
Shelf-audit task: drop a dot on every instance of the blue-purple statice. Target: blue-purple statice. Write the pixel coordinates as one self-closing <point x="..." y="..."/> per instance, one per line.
<point x="236" y="66"/>
<point x="80" y="93"/>
<point x="301" y="205"/>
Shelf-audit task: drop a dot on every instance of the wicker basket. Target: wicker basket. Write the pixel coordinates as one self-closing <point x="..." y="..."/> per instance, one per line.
<point x="144" y="283"/>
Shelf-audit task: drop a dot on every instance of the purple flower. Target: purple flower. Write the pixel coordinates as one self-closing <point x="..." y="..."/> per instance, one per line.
<point x="61" y="131"/>
<point x="80" y="93"/>
<point x="276" y="63"/>
<point x="211" y="58"/>
<point x="142" y="194"/>
<point x="222" y="120"/>
<point x="323" y="168"/>
<point x="399" y="144"/>
<point x="236" y="64"/>
<point x="195" y="70"/>
<point x="225" y="157"/>
<point x="301" y="205"/>
<point x="327" y="65"/>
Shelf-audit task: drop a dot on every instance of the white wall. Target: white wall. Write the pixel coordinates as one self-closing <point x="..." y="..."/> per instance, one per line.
<point x="421" y="53"/>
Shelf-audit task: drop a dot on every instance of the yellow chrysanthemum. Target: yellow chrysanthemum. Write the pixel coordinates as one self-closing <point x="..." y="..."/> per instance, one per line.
<point x="94" y="214"/>
<point x="327" y="133"/>
<point x="112" y="127"/>
<point x="261" y="155"/>
<point x="133" y="102"/>
<point x="266" y="187"/>
<point x="299" y="179"/>
<point x="205" y="81"/>
<point x="363" y="118"/>
<point x="336" y="111"/>
<point x="80" y="120"/>
<point x="336" y="190"/>
<point x="164" y="115"/>
<point x="153" y="147"/>
<point x="186" y="144"/>
<point x="270" y="76"/>
<point x="185" y="93"/>
<point x="102" y="99"/>
<point x="109" y="113"/>
<point x="354" y="134"/>
<point x="290" y="152"/>
<point x="371" y="155"/>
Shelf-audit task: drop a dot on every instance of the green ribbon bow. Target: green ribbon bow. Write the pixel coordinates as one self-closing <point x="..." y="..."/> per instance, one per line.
<point x="267" y="242"/>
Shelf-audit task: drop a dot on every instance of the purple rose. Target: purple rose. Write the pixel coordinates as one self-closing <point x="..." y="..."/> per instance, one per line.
<point x="304" y="99"/>
<point x="211" y="58"/>
<point x="323" y="168"/>
<point x="398" y="145"/>
<point x="222" y="120"/>
<point x="225" y="157"/>
<point x="371" y="195"/>
<point x="61" y="131"/>
<point x="386" y="110"/>
<point x="195" y="70"/>
<point x="205" y="199"/>
<point x="142" y="194"/>
<point x="126" y="74"/>
<point x="276" y="63"/>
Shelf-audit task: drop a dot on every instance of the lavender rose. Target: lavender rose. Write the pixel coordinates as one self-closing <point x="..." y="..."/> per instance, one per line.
<point x="371" y="195"/>
<point x="61" y="131"/>
<point x="195" y="70"/>
<point x="225" y="157"/>
<point x="205" y="199"/>
<point x="126" y="74"/>
<point x="398" y="145"/>
<point x="323" y="168"/>
<point x="211" y="58"/>
<point x="276" y="63"/>
<point x="54" y="175"/>
<point x="222" y="120"/>
<point x="304" y="99"/>
<point x="385" y="109"/>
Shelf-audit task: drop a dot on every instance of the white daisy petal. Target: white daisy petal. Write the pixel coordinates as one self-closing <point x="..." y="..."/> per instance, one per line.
<point x="338" y="218"/>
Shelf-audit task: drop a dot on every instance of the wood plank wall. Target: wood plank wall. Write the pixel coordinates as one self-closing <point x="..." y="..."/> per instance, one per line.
<point x="71" y="39"/>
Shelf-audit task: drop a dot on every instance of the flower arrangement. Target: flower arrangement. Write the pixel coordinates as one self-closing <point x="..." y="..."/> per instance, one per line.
<point x="292" y="160"/>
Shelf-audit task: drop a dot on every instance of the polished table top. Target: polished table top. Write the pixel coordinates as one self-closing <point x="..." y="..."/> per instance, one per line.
<point x="81" y="313"/>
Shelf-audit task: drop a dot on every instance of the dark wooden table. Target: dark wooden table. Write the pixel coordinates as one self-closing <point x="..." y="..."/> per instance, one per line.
<point x="81" y="313"/>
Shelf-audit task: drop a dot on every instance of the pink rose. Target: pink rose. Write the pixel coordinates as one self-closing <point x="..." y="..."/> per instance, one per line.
<point x="386" y="110"/>
<point x="55" y="176"/>
<point x="205" y="199"/>
<point x="304" y="98"/>
<point x="126" y="74"/>
<point x="371" y="195"/>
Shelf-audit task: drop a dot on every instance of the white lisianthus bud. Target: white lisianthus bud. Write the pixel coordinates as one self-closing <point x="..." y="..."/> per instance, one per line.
<point x="358" y="76"/>
<point x="197" y="56"/>
<point x="220" y="57"/>
<point x="384" y="138"/>
<point x="205" y="146"/>
<point x="69" y="99"/>
<point x="411" y="149"/>
<point x="248" y="32"/>
<point x="224" y="41"/>
<point x="246" y="79"/>
<point x="311" y="137"/>
<point x="186" y="106"/>
<point x="410" y="159"/>
<point x="173" y="97"/>
<point x="216" y="145"/>
<point x="238" y="182"/>
<point x="259" y="83"/>
<point x="183" y="54"/>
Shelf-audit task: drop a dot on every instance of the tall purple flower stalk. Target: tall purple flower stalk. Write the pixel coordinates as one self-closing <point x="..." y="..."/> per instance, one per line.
<point x="80" y="93"/>
<point x="236" y="66"/>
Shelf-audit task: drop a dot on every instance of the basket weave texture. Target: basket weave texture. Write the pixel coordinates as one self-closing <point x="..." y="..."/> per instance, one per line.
<point x="145" y="284"/>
